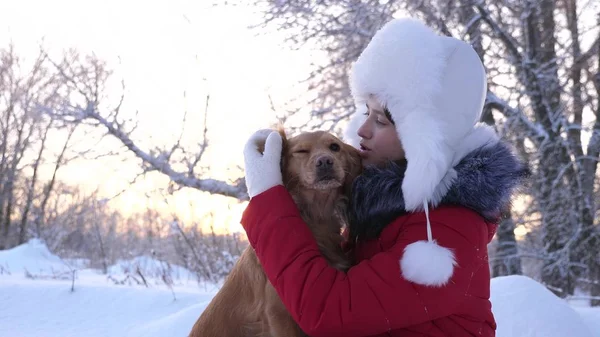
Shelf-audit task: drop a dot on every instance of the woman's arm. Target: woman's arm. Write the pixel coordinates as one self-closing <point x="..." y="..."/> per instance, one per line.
<point x="373" y="297"/>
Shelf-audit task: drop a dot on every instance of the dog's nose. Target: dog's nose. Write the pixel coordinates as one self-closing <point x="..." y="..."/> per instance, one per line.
<point x="324" y="162"/>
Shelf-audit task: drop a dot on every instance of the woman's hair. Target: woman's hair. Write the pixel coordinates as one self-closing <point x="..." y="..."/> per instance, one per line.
<point x="388" y="115"/>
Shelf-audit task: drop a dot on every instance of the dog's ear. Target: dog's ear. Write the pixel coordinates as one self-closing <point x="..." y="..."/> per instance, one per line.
<point x="281" y="131"/>
<point x="284" y="144"/>
<point x="278" y="128"/>
<point x="353" y="169"/>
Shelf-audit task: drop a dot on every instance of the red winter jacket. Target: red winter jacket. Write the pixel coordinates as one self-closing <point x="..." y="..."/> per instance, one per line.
<point x="373" y="299"/>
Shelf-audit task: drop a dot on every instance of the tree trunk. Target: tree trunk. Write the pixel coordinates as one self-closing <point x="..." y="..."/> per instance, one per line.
<point x="40" y="218"/>
<point x="507" y="260"/>
<point x="31" y="191"/>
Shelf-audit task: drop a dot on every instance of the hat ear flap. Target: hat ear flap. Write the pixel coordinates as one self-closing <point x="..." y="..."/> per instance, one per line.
<point x="428" y="158"/>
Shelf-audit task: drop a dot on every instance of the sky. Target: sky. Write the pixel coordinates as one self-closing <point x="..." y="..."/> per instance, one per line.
<point x="162" y="49"/>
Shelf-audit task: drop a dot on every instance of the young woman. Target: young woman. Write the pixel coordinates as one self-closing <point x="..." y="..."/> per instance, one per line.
<point x="424" y="209"/>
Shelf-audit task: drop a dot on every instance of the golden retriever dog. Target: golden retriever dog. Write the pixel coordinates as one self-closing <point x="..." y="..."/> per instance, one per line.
<point x="318" y="169"/>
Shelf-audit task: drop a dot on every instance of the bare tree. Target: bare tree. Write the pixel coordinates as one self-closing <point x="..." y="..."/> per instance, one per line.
<point x="33" y="181"/>
<point x="86" y="78"/>
<point x="51" y="100"/>
<point x="209" y="256"/>
<point x="27" y="88"/>
<point x="23" y="127"/>
<point x="338" y="29"/>
<point x="40" y="212"/>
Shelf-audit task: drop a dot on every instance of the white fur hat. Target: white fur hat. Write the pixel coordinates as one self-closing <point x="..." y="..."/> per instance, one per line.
<point x="434" y="88"/>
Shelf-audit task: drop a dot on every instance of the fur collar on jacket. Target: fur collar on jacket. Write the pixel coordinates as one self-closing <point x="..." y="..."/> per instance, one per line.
<point x="485" y="180"/>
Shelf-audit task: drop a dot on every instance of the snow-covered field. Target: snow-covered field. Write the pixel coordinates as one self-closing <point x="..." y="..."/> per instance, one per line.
<point x="36" y="300"/>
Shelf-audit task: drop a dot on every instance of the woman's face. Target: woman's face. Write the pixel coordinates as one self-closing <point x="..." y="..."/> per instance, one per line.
<point x="379" y="139"/>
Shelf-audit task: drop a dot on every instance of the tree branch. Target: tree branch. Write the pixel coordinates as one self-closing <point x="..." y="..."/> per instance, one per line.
<point x="238" y="190"/>
<point x="535" y="131"/>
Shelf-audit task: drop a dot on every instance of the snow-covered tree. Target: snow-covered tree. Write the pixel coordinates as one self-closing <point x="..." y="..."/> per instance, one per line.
<point x="28" y="87"/>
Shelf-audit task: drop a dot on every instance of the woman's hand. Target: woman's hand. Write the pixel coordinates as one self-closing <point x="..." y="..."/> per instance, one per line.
<point x="262" y="170"/>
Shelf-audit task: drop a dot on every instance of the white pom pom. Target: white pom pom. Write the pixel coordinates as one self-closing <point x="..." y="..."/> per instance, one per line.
<point x="427" y="263"/>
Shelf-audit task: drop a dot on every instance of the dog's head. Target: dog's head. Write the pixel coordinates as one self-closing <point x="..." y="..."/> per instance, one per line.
<point x="319" y="161"/>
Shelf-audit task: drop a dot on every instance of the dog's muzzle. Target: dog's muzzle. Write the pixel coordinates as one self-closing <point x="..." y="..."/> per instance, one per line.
<point x="324" y="165"/>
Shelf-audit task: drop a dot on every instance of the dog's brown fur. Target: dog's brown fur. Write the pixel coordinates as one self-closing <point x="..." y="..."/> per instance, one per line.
<point x="247" y="304"/>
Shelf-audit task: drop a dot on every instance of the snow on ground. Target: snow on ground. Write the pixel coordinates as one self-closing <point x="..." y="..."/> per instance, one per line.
<point x="33" y="257"/>
<point x="40" y="302"/>
<point x="523" y="307"/>
<point x="153" y="268"/>
<point x="36" y="297"/>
